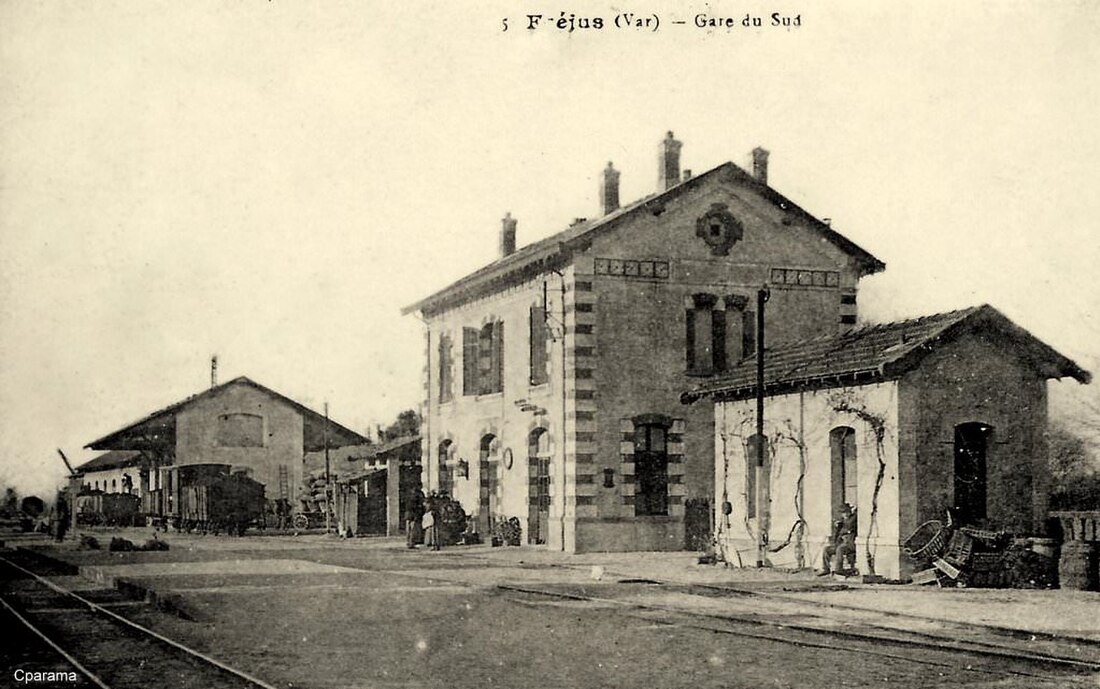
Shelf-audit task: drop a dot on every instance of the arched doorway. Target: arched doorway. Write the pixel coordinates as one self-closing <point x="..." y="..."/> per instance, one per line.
<point x="971" y="443"/>
<point x="489" y="491"/>
<point x="538" y="464"/>
<point x="844" y="472"/>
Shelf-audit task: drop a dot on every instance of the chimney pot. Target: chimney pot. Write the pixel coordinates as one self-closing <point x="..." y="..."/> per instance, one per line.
<point x="507" y="235"/>
<point x="669" y="170"/>
<point x="760" y="164"/>
<point x="609" y="189"/>
<point x="687" y="175"/>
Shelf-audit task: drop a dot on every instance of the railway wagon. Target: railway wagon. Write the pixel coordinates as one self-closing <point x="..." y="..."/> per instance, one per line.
<point x="111" y="509"/>
<point x="212" y="498"/>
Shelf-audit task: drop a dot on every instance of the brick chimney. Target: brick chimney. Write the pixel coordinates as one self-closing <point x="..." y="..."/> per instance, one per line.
<point x="668" y="175"/>
<point x="507" y="235"/>
<point x="760" y="164"/>
<point x="609" y="190"/>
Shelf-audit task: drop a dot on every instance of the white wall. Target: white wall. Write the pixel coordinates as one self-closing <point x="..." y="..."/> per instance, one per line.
<point x="798" y="426"/>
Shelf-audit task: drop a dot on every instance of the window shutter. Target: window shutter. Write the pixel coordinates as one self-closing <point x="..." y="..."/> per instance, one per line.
<point x="718" y="339"/>
<point x="690" y="315"/>
<point x="748" y="333"/>
<point x="485" y="359"/>
<point x="538" y="345"/>
<point x="470" y="356"/>
<point x="497" y="356"/>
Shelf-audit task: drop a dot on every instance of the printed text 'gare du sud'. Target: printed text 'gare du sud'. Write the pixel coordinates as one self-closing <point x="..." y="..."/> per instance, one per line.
<point x="569" y="22"/>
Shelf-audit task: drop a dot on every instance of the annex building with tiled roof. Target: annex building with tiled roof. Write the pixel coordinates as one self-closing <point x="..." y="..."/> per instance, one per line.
<point x="903" y="421"/>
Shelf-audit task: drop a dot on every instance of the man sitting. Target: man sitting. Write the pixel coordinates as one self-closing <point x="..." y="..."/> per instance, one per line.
<point x="840" y="554"/>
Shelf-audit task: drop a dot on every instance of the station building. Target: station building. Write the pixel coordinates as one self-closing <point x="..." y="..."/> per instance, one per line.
<point x="553" y="375"/>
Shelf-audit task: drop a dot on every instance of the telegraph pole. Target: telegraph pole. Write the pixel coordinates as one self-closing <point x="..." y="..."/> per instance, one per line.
<point x="328" y="478"/>
<point x="761" y="509"/>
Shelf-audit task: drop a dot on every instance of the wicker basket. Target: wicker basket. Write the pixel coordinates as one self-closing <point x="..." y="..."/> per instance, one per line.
<point x="928" y="541"/>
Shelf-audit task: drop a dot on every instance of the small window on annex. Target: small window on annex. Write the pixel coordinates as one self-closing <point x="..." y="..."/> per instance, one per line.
<point x="651" y="469"/>
<point x="240" y="430"/>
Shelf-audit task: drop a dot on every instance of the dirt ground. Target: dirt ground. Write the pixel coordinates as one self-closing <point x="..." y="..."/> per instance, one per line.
<point x="322" y="612"/>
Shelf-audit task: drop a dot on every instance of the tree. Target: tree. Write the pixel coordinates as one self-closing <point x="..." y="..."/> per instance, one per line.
<point x="407" y="423"/>
<point x="1074" y="473"/>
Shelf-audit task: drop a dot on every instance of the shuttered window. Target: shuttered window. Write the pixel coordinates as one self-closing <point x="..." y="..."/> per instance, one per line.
<point x="538" y="372"/>
<point x="470" y="361"/>
<point x="483" y="359"/>
<point x="446" y="369"/>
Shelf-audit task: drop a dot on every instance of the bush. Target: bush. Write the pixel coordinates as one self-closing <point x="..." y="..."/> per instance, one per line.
<point x="452" y="520"/>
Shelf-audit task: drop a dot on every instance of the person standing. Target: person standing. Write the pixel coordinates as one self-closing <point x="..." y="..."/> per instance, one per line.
<point x="428" y="522"/>
<point x="414" y="513"/>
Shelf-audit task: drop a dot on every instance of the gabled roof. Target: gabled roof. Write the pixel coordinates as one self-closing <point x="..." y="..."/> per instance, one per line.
<point x="385" y="448"/>
<point x="115" y="459"/>
<point x="160" y="426"/>
<point x="556" y="250"/>
<point x="879" y="352"/>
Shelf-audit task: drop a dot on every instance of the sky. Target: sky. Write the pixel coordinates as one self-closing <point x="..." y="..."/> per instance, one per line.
<point x="272" y="180"/>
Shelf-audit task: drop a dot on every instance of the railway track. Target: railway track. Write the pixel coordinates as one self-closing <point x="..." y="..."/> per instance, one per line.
<point x="859" y="640"/>
<point x="106" y="649"/>
<point x="109" y="660"/>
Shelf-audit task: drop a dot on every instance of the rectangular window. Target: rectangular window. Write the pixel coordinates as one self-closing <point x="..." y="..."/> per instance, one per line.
<point x="483" y="359"/>
<point x="470" y="354"/>
<point x="538" y="372"/>
<point x="748" y="334"/>
<point x="705" y="320"/>
<point x="446" y="369"/>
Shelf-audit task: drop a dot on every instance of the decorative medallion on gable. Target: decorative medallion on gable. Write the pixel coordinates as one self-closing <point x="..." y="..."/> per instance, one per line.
<point x="719" y="229"/>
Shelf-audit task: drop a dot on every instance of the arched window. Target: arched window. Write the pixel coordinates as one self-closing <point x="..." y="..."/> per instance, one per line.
<point x="651" y="469"/>
<point x="845" y="477"/>
<point x="751" y="449"/>
<point x="971" y="443"/>
<point x="446" y="472"/>
<point x="489" y="488"/>
<point x="538" y="462"/>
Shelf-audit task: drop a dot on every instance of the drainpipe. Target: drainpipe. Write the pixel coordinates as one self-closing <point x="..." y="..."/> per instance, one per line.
<point x="427" y="462"/>
<point x="561" y="464"/>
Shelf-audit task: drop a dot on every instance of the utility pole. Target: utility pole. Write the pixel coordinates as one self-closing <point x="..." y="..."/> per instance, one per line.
<point x="328" y="477"/>
<point x="74" y="489"/>
<point x="761" y="509"/>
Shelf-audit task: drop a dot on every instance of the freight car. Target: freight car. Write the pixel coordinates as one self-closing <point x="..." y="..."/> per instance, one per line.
<point x="96" y="508"/>
<point x="210" y="498"/>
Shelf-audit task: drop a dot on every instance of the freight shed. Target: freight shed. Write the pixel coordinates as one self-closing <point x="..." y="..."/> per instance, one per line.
<point x="240" y="424"/>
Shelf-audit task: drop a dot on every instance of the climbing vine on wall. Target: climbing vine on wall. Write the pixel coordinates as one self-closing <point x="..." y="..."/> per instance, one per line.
<point x="845" y="403"/>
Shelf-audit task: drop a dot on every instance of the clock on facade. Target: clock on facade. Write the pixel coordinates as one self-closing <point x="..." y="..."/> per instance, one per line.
<point x="507" y="458"/>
